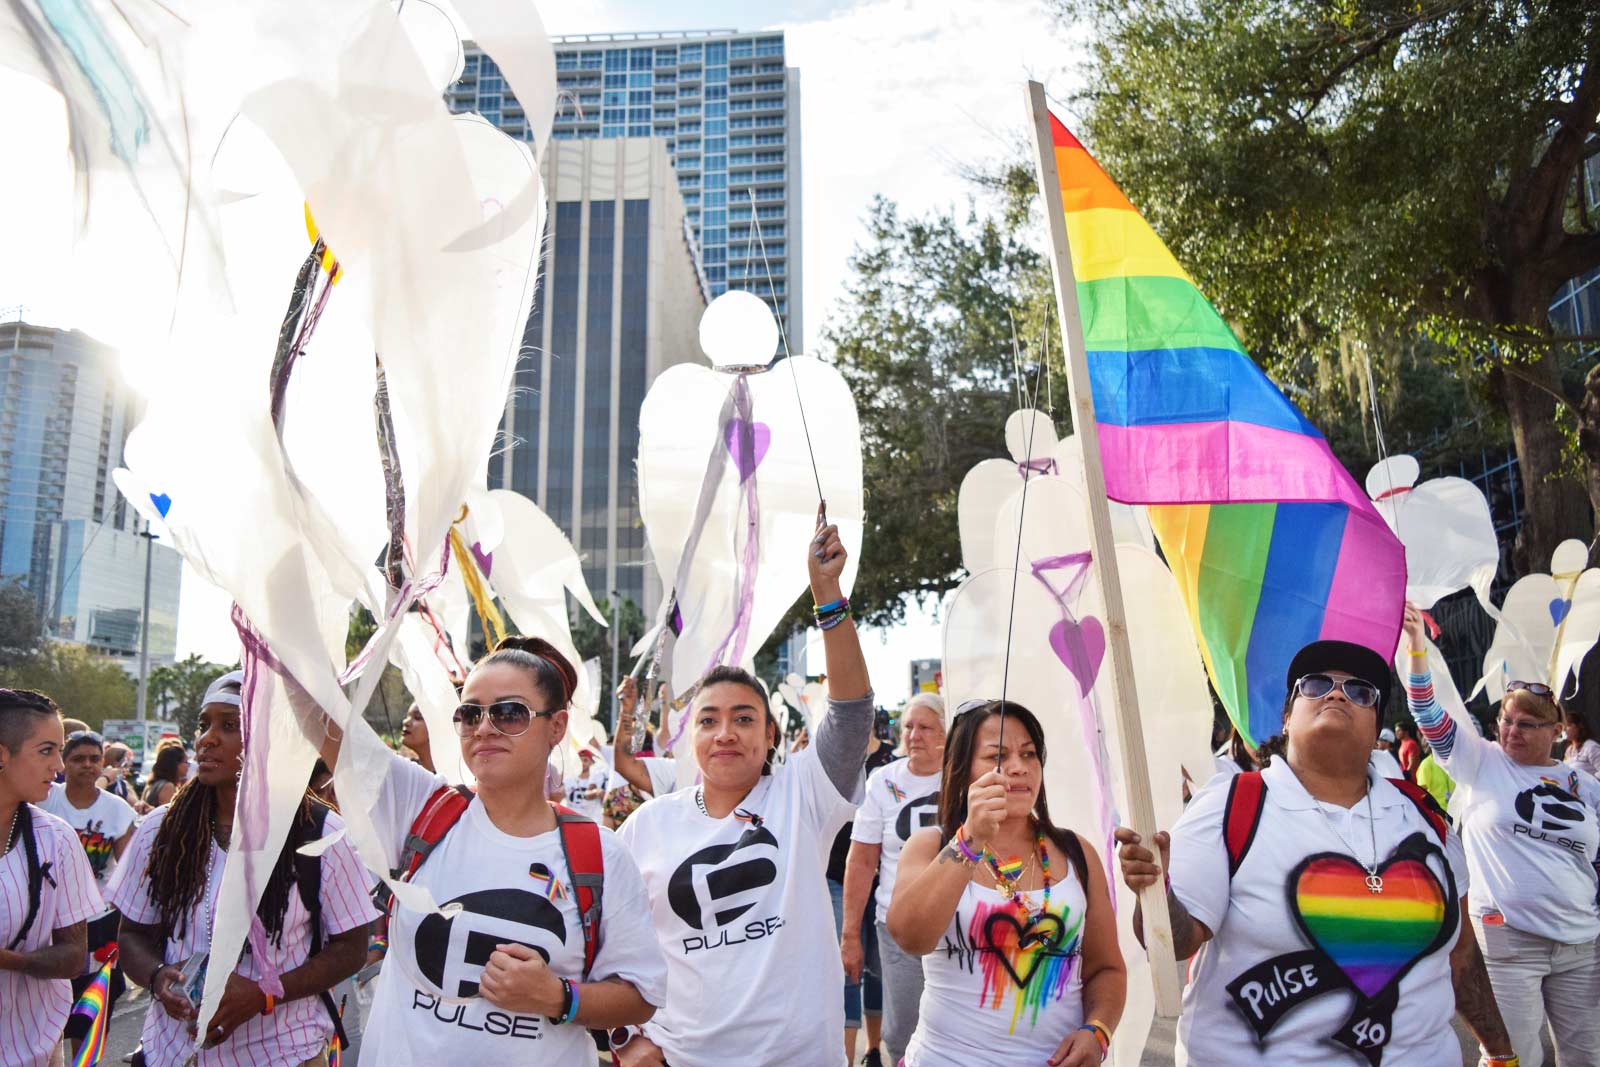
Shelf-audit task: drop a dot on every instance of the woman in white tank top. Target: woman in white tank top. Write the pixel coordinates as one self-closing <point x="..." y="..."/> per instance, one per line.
<point x="1011" y="915"/>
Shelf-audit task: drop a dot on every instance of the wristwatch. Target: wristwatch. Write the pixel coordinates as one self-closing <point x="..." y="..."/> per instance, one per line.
<point x="621" y="1035"/>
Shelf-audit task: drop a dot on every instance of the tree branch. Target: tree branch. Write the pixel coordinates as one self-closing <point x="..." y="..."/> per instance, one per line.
<point x="1539" y="200"/>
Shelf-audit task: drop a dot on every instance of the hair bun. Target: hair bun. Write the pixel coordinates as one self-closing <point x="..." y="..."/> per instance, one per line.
<point x="538" y="646"/>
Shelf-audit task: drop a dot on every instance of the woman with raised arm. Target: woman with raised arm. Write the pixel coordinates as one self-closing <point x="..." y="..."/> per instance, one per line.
<point x="312" y="920"/>
<point x="736" y="866"/>
<point x="544" y="929"/>
<point x="1532" y="840"/>
<point x="47" y="890"/>
<point x="1010" y="914"/>
<point x="1321" y="901"/>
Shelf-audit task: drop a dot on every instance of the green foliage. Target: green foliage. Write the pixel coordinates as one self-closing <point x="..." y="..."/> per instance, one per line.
<point x="593" y="641"/>
<point x="177" y="692"/>
<point x="85" y="684"/>
<point x="925" y="338"/>
<point x="1354" y="179"/>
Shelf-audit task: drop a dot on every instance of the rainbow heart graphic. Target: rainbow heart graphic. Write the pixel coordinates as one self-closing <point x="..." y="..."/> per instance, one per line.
<point x="1374" y="938"/>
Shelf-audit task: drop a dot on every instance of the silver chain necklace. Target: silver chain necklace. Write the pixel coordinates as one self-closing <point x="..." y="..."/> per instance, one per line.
<point x="1374" y="882"/>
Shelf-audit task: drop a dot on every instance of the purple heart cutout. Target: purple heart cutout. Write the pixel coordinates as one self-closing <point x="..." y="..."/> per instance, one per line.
<point x="762" y="435"/>
<point x="485" y="559"/>
<point x="1081" y="647"/>
<point x="1559" y="609"/>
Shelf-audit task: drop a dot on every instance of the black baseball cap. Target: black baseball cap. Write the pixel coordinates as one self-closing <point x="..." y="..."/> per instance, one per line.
<point x="1347" y="656"/>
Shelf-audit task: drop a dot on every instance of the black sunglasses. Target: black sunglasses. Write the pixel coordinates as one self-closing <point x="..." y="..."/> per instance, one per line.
<point x="1315" y="686"/>
<point x="1538" y="689"/>
<point x="509" y="717"/>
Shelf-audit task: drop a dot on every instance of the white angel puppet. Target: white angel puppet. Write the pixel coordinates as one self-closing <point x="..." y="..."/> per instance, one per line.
<point x="730" y="460"/>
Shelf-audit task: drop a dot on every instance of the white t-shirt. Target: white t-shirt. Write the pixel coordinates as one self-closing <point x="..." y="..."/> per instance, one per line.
<point x="741" y="908"/>
<point x="897" y="805"/>
<point x="100" y="826"/>
<point x="577" y="787"/>
<point x="34" y="1010"/>
<point x="297" y="1029"/>
<point x="663" y="773"/>
<point x="984" y="998"/>
<point x="1532" y="839"/>
<point x="1585" y="757"/>
<point x="1385" y="764"/>
<point x="1302" y="885"/>
<point x="496" y="888"/>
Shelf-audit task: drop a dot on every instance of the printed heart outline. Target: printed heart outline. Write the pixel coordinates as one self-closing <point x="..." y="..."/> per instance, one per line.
<point x="1045" y="929"/>
<point x="1413" y="850"/>
<point x="762" y="440"/>
<point x="1558" y="610"/>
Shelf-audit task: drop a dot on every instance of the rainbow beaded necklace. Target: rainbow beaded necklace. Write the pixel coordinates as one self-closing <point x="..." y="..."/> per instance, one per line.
<point x="1008" y="874"/>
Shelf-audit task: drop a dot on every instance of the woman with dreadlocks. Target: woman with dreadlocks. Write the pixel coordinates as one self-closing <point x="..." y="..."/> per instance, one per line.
<point x="47" y="889"/>
<point x="309" y="931"/>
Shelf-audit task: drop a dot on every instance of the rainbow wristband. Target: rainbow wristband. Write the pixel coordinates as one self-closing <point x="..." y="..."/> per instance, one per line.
<point x="966" y="850"/>
<point x="1503" y="1061"/>
<point x="830" y="607"/>
<point x="571" y="1013"/>
<point x="1100" y="1035"/>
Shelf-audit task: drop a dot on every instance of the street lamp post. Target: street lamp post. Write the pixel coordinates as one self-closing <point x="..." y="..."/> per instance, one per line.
<point x="616" y="656"/>
<point x="144" y="627"/>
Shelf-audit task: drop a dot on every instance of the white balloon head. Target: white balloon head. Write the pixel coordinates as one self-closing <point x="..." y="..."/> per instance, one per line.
<point x="1396" y="472"/>
<point x="738" y="330"/>
<point x="1030" y="434"/>
<point x="1569" y="558"/>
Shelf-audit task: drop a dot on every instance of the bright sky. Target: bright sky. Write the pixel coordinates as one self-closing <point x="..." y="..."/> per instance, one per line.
<point x="895" y="96"/>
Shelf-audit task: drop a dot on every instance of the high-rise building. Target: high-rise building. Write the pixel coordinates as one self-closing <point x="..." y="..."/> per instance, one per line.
<point x="619" y="300"/>
<point x="729" y="111"/>
<point x="65" y="532"/>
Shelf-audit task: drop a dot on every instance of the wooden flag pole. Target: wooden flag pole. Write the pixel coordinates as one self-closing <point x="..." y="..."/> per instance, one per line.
<point x="1124" y="696"/>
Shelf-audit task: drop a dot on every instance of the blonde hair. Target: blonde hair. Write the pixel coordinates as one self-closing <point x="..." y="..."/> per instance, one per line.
<point x="1545" y="709"/>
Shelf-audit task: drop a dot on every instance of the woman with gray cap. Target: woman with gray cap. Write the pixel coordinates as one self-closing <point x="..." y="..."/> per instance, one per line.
<point x="275" y="1009"/>
<point x="1532" y="837"/>
<point x="1321" y="901"/>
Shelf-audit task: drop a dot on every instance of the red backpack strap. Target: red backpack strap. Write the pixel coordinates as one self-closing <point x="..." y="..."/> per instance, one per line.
<point x="442" y="811"/>
<point x="1247" y="796"/>
<point x="580" y="845"/>
<point x="1431" y="811"/>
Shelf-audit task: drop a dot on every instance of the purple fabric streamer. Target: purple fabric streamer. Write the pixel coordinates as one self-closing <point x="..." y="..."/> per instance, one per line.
<point x="410" y="592"/>
<point x="251" y="818"/>
<point x="1077" y="564"/>
<point x="741" y="430"/>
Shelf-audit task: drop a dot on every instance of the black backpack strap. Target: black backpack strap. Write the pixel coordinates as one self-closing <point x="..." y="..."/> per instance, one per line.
<point x="36" y="872"/>
<point x="308" y="880"/>
<point x="1079" y="861"/>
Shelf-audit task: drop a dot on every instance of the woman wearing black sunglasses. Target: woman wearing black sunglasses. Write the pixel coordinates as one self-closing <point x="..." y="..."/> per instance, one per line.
<point x="1532" y="840"/>
<point x="499" y="973"/>
<point x="1320" y="900"/>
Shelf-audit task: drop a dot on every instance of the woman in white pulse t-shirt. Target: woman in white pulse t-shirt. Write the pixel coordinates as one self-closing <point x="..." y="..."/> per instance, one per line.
<point x="737" y="866"/>
<point x="47" y="889"/>
<point x="1011" y="915"/>
<point x="902" y="798"/>
<point x="1320" y="900"/>
<point x="1532" y="840"/>
<point x="498" y="975"/>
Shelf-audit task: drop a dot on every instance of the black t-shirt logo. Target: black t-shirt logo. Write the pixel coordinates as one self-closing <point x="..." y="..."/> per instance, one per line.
<point x="718" y="884"/>
<point x="452" y="950"/>
<point x="920" y="814"/>
<point x="1549" y="807"/>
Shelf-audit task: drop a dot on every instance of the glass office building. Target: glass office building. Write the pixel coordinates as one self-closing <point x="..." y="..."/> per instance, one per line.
<point x="729" y="111"/>
<point x="66" y="534"/>
<point x="619" y="301"/>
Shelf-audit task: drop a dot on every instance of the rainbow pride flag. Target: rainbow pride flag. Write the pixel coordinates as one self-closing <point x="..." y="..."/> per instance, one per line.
<point x="92" y="1005"/>
<point x="1273" y="543"/>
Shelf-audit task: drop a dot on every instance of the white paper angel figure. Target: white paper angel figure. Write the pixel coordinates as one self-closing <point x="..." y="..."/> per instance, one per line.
<point x="1548" y="623"/>
<point x="1445" y="525"/>
<point x="728" y="490"/>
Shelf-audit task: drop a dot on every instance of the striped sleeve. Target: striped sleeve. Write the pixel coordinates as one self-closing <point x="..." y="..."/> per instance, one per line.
<point x="1457" y="751"/>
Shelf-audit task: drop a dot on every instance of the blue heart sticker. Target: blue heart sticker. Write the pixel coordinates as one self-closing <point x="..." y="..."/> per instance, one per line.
<point x="163" y="503"/>
<point x="1559" y="609"/>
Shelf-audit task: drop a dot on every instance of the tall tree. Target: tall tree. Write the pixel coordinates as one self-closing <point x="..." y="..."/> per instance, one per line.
<point x="178" y="691"/>
<point x="1345" y="176"/>
<point x="925" y="338"/>
<point x="20" y="633"/>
